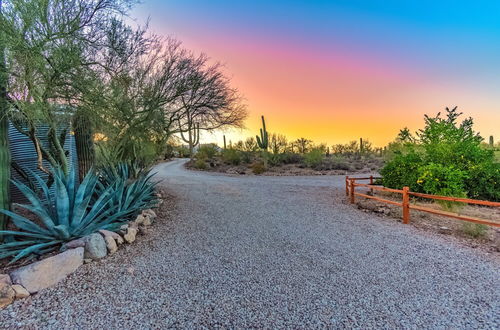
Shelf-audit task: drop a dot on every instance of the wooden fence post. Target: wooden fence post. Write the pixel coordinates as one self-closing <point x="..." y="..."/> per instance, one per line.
<point x="352" y="190"/>
<point x="371" y="183"/>
<point x="347" y="185"/>
<point x="406" y="205"/>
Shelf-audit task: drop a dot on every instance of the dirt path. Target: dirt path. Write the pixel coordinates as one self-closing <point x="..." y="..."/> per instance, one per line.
<point x="249" y="251"/>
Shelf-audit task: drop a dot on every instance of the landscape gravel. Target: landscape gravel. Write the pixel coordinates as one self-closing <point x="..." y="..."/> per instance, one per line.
<point x="268" y="252"/>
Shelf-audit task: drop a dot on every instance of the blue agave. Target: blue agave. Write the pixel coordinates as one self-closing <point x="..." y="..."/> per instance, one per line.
<point x="133" y="189"/>
<point x="69" y="213"/>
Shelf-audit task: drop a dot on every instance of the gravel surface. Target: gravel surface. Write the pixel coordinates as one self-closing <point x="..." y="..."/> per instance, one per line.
<point x="241" y="252"/>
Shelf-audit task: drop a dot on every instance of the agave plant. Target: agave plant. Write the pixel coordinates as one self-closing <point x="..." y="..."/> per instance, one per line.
<point x="133" y="189"/>
<point x="68" y="213"/>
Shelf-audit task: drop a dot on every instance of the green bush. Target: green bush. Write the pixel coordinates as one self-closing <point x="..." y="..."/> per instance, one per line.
<point x="258" y="168"/>
<point x="231" y="156"/>
<point x="334" y="163"/>
<point x="207" y="151"/>
<point x="450" y="153"/>
<point x="200" y="164"/>
<point x="182" y="152"/>
<point x="438" y="179"/>
<point x="291" y="158"/>
<point x="313" y="158"/>
<point x="246" y="157"/>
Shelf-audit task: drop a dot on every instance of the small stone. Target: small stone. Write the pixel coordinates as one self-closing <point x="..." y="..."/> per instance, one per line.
<point x="123" y="229"/>
<point x="7" y="294"/>
<point x="150" y="212"/>
<point x="87" y="261"/>
<point x="5" y="279"/>
<point x="130" y="235"/>
<point x="140" y="219"/>
<point x="444" y="230"/>
<point x="80" y="242"/>
<point x="95" y="247"/>
<point x="111" y="244"/>
<point x="112" y="234"/>
<point x="147" y="221"/>
<point x="20" y="291"/>
<point x="48" y="272"/>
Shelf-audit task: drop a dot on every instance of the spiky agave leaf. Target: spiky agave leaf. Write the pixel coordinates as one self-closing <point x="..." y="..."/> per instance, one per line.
<point x="61" y="215"/>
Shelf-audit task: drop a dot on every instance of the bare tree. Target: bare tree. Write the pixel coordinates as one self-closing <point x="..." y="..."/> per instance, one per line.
<point x="208" y="103"/>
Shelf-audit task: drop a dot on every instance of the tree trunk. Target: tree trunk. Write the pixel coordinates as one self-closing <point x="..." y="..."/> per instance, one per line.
<point x="4" y="138"/>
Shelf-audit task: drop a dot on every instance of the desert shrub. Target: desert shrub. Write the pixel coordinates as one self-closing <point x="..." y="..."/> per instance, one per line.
<point x="275" y="159"/>
<point x="452" y="151"/>
<point x="313" y="158"/>
<point x="483" y="181"/>
<point x="182" y="152"/>
<point x="402" y="169"/>
<point x="291" y="158"/>
<point x="246" y="156"/>
<point x="207" y="151"/>
<point x="438" y="179"/>
<point x="258" y="168"/>
<point x="334" y="163"/>
<point x="475" y="230"/>
<point x="231" y="156"/>
<point x="200" y="164"/>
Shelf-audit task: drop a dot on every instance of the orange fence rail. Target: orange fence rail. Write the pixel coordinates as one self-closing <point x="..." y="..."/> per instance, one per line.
<point x="350" y="190"/>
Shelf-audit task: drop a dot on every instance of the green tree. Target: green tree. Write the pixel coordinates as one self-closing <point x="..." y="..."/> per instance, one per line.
<point x="4" y="137"/>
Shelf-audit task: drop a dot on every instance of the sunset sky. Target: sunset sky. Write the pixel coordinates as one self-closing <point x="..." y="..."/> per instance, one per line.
<point x="334" y="71"/>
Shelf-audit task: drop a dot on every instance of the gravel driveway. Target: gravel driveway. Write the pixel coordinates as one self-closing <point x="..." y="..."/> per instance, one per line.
<point x="272" y="252"/>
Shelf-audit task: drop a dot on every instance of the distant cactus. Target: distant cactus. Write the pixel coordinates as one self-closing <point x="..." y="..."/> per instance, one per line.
<point x="193" y="137"/>
<point x="225" y="147"/>
<point x="360" y="145"/>
<point x="492" y="141"/>
<point x="263" y="140"/>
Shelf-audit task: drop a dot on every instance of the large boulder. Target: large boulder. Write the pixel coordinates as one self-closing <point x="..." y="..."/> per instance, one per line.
<point x="48" y="272"/>
<point x="95" y="247"/>
<point x="7" y="293"/>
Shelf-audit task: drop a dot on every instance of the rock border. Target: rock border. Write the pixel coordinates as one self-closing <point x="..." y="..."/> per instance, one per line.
<point x="27" y="280"/>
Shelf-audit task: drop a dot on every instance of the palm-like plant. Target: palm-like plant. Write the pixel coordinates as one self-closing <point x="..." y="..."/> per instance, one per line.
<point x="70" y="212"/>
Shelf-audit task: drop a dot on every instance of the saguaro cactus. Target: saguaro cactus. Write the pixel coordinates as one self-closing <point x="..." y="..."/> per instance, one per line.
<point x="193" y="137"/>
<point x="361" y="147"/>
<point x="263" y="140"/>
<point x="4" y="137"/>
<point x="82" y="127"/>
<point x="224" y="142"/>
<point x="492" y="141"/>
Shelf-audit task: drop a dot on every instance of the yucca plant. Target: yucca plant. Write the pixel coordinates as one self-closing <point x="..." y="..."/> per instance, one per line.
<point x="70" y="212"/>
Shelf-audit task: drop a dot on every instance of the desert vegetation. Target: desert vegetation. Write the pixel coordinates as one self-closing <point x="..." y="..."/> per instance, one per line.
<point x="274" y="153"/>
<point x="73" y="69"/>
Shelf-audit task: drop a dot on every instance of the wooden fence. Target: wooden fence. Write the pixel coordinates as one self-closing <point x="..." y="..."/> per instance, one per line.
<point x="350" y="189"/>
